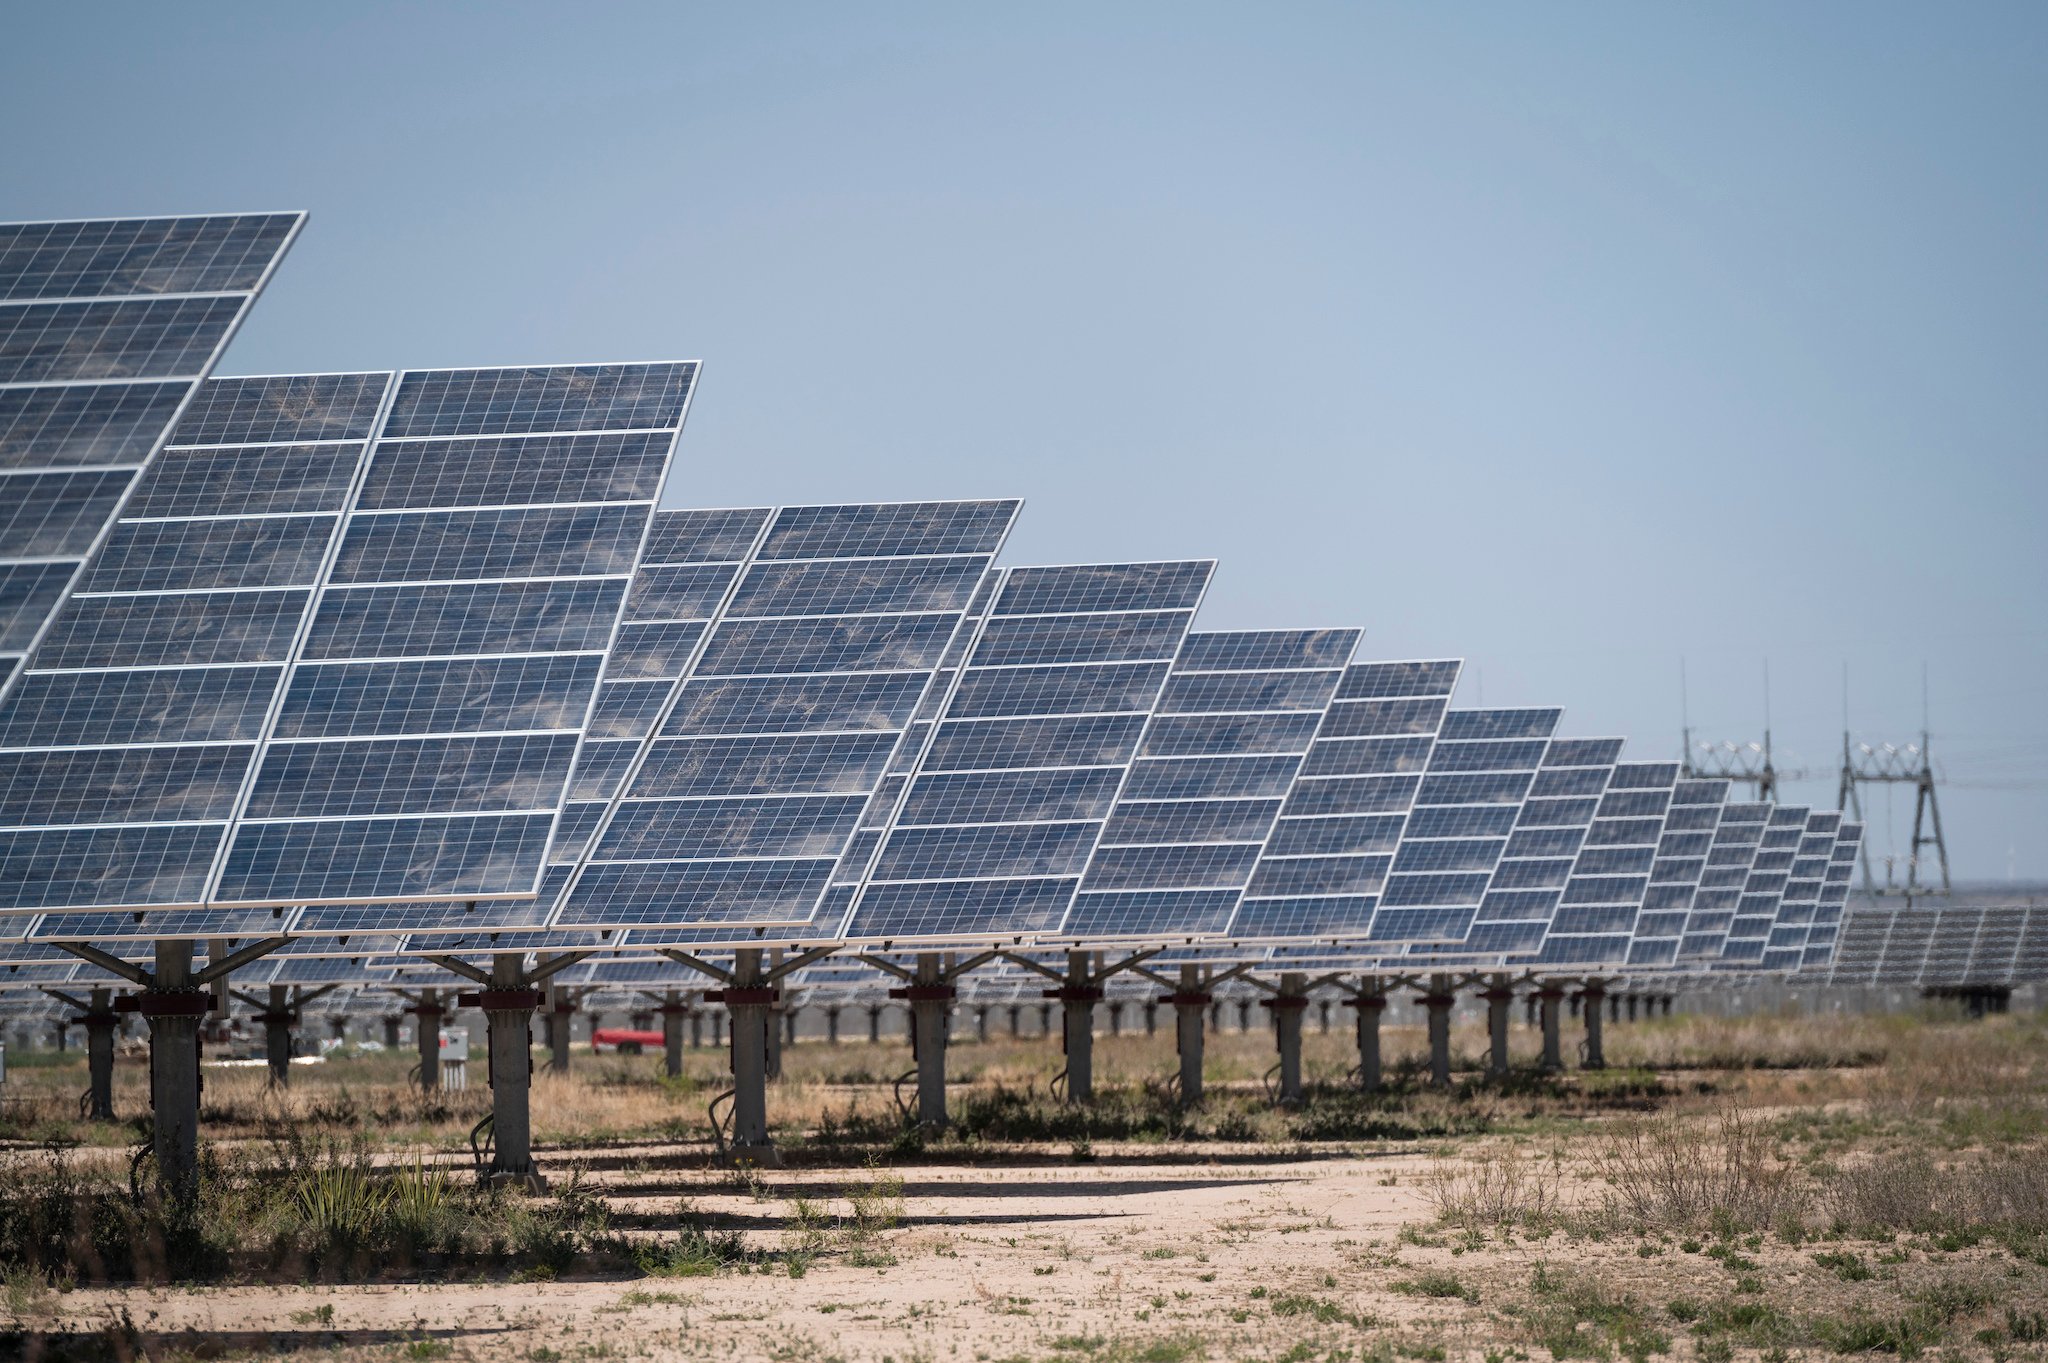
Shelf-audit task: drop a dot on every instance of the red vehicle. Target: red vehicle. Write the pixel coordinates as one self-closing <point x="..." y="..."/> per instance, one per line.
<point x="624" y="1040"/>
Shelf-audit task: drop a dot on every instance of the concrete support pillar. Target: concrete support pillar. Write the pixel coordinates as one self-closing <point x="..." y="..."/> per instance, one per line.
<point x="1016" y="1017"/>
<point x="1151" y="1017"/>
<point x="751" y="1002"/>
<point x="718" y="1029"/>
<point x="1596" y="1055"/>
<point x="1288" y="1006"/>
<point x="277" y="1035"/>
<point x="929" y="996"/>
<point x="672" y="1013"/>
<point x="100" y="1023"/>
<point x="696" y="1029"/>
<point x="1634" y="1001"/>
<point x="509" y="1006"/>
<point x="174" y="1007"/>
<point x="1078" y="999"/>
<point x="1499" y="995"/>
<point x="1439" y="1000"/>
<point x="427" y="1014"/>
<point x="1547" y="1000"/>
<point x="874" y="1024"/>
<point x="832" y="1024"/>
<point x="1045" y="1019"/>
<point x="1529" y="1002"/>
<point x="981" y="1022"/>
<point x="1371" y="1003"/>
<point x="391" y="1021"/>
<point x="1323" y="1016"/>
<point x="1116" y="1017"/>
<point x="1244" y="1015"/>
<point x="1189" y="1002"/>
<point x="771" y="1034"/>
<point x="1614" y="1008"/>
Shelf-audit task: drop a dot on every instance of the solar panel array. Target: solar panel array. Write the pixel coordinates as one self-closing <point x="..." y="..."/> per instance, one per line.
<point x="407" y="663"/>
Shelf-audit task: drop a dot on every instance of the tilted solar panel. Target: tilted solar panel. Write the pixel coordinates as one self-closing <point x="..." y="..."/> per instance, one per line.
<point x="1037" y="741"/>
<point x="1786" y="946"/>
<point x="1682" y="852"/>
<point x="1550" y="832"/>
<point x="1219" y="755"/>
<point x="106" y="328"/>
<point x="341" y="646"/>
<point x="1770" y="870"/>
<point x="1737" y="837"/>
<point x="1327" y="857"/>
<point x="1479" y="775"/>
<point x="741" y="805"/>
<point x="1596" y="914"/>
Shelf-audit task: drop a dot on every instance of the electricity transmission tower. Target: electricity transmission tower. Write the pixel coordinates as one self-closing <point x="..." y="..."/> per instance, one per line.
<point x="1886" y="765"/>
<point x="1742" y="763"/>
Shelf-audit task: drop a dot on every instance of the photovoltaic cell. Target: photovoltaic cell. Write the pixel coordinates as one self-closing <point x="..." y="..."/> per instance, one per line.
<point x="106" y="329"/>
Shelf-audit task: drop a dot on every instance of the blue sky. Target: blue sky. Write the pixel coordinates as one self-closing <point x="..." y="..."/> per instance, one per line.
<point x="1573" y="340"/>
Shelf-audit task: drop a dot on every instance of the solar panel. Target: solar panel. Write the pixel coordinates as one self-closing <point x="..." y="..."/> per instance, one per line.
<point x="1737" y="836"/>
<point x="1596" y="913"/>
<point x="1834" y="894"/>
<point x="1479" y="775"/>
<point x="106" y="327"/>
<point x="1327" y="857"/>
<point x="743" y="802"/>
<point x="1037" y="740"/>
<point x="1770" y="870"/>
<point x="341" y="646"/>
<point x="1549" y="833"/>
<point x="1785" y="949"/>
<point x="1682" y="852"/>
<point x="1219" y="755"/>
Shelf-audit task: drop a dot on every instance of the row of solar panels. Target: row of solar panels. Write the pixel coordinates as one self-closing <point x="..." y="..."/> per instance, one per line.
<point x="412" y="656"/>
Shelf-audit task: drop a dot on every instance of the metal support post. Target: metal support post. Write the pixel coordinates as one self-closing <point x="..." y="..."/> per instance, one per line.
<point x="100" y="1023"/>
<point x="277" y="1035"/>
<point x="509" y="1005"/>
<point x="1287" y="1007"/>
<point x="1079" y="996"/>
<point x="981" y="1022"/>
<point x="1439" y="1000"/>
<point x="173" y="1006"/>
<point x="561" y="1008"/>
<point x="832" y="1023"/>
<point x="1498" y="995"/>
<point x="1189" y="1002"/>
<point x="672" y="1012"/>
<point x="929" y="997"/>
<point x="427" y="1014"/>
<point x="1371" y="1003"/>
<point x="874" y="1024"/>
<point x="751" y="1001"/>
<point x="391" y="1021"/>
<point x="1547" y="999"/>
<point x="1016" y="1017"/>
<point x="1596" y="1056"/>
